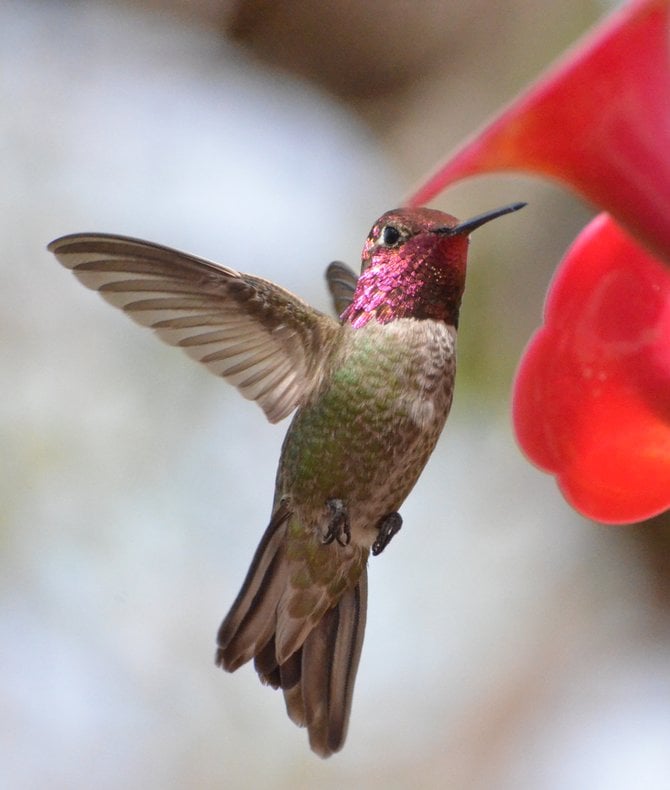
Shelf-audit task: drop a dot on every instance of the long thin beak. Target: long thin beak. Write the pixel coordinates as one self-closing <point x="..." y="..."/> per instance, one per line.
<point x="466" y="227"/>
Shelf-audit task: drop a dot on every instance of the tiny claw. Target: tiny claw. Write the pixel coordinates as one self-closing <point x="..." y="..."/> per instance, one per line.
<point x="338" y="523"/>
<point x="388" y="527"/>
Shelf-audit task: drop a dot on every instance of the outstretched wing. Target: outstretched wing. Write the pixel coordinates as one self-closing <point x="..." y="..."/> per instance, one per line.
<point x="341" y="284"/>
<point x="258" y="336"/>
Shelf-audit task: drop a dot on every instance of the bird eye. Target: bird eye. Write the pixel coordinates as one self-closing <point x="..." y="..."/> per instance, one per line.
<point x="390" y="236"/>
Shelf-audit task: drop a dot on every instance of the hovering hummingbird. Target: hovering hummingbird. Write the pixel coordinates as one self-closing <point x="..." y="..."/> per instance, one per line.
<point x="372" y="393"/>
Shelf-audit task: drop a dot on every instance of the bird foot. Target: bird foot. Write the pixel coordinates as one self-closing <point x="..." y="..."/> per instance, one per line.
<point x="388" y="527"/>
<point x="338" y="523"/>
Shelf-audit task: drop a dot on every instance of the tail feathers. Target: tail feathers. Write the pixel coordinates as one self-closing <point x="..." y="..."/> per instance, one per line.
<point x="250" y="624"/>
<point x="329" y="664"/>
<point x="317" y="678"/>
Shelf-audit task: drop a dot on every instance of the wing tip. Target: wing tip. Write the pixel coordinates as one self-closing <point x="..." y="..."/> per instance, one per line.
<point x="72" y="238"/>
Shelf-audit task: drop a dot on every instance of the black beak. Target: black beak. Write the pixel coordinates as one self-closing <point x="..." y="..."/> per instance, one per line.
<point x="466" y="227"/>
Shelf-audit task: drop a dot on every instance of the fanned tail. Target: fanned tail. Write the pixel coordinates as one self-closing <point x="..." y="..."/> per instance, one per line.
<point x="318" y="675"/>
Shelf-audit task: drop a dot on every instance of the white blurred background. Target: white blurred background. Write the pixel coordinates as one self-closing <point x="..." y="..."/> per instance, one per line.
<point x="510" y="644"/>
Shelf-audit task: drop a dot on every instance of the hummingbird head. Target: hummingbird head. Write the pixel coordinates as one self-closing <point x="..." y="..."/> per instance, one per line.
<point x="413" y="266"/>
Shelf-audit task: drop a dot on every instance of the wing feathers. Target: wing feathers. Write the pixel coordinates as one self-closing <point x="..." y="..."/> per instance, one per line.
<point x="341" y="284"/>
<point x="263" y="339"/>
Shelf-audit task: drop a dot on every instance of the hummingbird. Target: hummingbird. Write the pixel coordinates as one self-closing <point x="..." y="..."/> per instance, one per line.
<point x="371" y="394"/>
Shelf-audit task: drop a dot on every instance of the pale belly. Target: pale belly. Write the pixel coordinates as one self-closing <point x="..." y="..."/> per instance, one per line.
<point x="367" y="433"/>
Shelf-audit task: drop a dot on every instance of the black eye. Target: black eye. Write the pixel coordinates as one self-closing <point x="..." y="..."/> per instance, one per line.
<point x="390" y="236"/>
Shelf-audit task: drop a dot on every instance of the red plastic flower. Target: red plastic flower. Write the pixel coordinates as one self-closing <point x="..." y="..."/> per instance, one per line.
<point x="598" y="121"/>
<point x="592" y="395"/>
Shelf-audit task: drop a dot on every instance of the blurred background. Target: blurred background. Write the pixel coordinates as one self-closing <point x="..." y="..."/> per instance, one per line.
<point x="510" y="643"/>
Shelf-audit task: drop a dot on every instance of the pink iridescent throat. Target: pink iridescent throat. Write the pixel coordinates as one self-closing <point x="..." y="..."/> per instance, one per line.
<point x="423" y="279"/>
